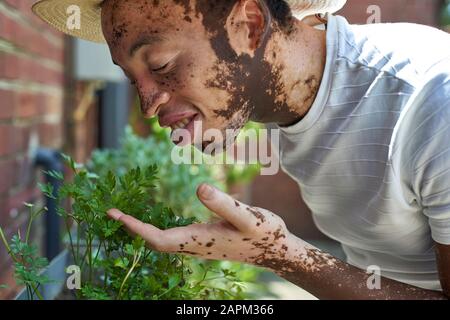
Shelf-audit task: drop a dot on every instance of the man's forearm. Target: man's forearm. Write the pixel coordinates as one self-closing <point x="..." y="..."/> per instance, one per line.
<point x="326" y="277"/>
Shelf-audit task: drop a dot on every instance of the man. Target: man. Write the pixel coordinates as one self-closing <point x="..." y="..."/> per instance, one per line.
<point x="364" y="114"/>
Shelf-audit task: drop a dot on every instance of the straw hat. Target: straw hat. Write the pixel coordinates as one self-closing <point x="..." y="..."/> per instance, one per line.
<point x="56" y="13"/>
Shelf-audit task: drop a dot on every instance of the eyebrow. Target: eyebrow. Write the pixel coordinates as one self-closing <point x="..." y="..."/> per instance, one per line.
<point x="144" y="41"/>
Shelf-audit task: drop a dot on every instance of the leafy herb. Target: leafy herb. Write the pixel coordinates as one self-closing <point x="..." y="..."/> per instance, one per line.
<point x="27" y="263"/>
<point x="115" y="265"/>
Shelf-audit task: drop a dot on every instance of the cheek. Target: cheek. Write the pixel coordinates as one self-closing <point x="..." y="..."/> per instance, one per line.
<point x="172" y="82"/>
<point x="181" y="80"/>
<point x="193" y="83"/>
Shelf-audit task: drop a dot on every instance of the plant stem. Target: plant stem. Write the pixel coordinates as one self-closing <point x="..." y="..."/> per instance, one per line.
<point x="136" y="259"/>
<point x="78" y="239"/>
<point x="33" y="290"/>
<point x="204" y="276"/>
<point x="30" y="222"/>
<point x="90" y="257"/>
<point x="36" y="291"/>
<point x="98" y="251"/>
<point x="215" y="278"/>
<point x="2" y="235"/>
<point x="72" y="249"/>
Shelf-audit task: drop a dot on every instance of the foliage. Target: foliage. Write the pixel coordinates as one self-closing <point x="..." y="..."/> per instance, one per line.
<point x="116" y="266"/>
<point x="177" y="187"/>
<point x="233" y="174"/>
<point x="27" y="263"/>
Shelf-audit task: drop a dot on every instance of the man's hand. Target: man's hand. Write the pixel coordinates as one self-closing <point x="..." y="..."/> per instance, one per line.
<point x="245" y="234"/>
<point x="259" y="237"/>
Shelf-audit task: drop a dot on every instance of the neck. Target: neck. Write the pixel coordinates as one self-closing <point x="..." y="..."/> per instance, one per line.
<point x="297" y="61"/>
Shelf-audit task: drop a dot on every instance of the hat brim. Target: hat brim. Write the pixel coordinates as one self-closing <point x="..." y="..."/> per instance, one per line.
<point x="57" y="13"/>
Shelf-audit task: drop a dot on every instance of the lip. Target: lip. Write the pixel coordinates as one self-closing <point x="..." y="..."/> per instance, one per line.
<point x="169" y="119"/>
<point x="190" y="127"/>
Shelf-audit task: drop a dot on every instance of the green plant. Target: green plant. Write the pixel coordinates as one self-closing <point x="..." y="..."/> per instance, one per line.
<point x="116" y="266"/>
<point x="27" y="263"/>
<point x="178" y="185"/>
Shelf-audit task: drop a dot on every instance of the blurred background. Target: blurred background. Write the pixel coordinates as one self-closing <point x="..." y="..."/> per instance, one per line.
<point x="63" y="94"/>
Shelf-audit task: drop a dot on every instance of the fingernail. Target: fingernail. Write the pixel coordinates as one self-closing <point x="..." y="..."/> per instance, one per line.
<point x="206" y="191"/>
<point x="114" y="214"/>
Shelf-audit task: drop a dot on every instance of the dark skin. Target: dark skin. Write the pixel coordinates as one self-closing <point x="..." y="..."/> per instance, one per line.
<point x="231" y="63"/>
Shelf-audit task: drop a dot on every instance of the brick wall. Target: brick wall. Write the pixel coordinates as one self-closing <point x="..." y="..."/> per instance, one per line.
<point x="31" y="109"/>
<point x="285" y="198"/>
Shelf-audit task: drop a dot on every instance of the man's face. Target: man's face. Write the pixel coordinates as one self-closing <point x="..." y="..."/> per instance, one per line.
<point x="179" y="58"/>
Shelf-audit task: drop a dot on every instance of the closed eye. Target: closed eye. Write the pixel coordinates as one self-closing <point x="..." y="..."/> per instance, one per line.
<point x="161" y="68"/>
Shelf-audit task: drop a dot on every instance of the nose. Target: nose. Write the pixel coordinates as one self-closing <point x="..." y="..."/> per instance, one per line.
<point x="152" y="100"/>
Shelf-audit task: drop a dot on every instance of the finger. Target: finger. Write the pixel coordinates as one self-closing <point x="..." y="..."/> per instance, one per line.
<point x="226" y="207"/>
<point x="188" y="239"/>
<point x="151" y="234"/>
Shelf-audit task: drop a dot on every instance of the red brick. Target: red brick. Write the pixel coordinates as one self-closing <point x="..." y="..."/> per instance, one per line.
<point x="29" y="39"/>
<point x="11" y="67"/>
<point x="25" y="10"/>
<point x="25" y="177"/>
<point x="27" y="105"/>
<point x="50" y="134"/>
<point x="2" y="61"/>
<point x="6" y="104"/>
<point x="16" y="67"/>
<point x="22" y="136"/>
<point x="8" y="171"/>
<point x="4" y="217"/>
<point x="6" y="139"/>
<point x="14" y="138"/>
<point x="51" y="104"/>
<point x="14" y="3"/>
<point x="30" y="194"/>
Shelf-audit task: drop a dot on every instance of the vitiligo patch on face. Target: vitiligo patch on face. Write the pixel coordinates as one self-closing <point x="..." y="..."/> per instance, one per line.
<point x="248" y="87"/>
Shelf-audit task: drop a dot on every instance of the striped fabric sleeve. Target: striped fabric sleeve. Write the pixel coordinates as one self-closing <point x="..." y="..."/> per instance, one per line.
<point x="430" y="159"/>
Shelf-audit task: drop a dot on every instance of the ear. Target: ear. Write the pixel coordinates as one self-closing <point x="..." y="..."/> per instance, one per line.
<point x="312" y="21"/>
<point x="245" y="26"/>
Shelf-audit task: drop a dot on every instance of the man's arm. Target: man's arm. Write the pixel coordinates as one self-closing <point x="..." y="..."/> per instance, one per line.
<point x="259" y="237"/>
<point x="328" y="278"/>
<point x="443" y="261"/>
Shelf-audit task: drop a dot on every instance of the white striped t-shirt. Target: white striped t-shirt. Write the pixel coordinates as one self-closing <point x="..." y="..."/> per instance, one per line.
<point x="372" y="156"/>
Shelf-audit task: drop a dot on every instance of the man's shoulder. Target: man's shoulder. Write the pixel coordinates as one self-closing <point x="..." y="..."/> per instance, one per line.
<point x="423" y="129"/>
<point x="404" y="50"/>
